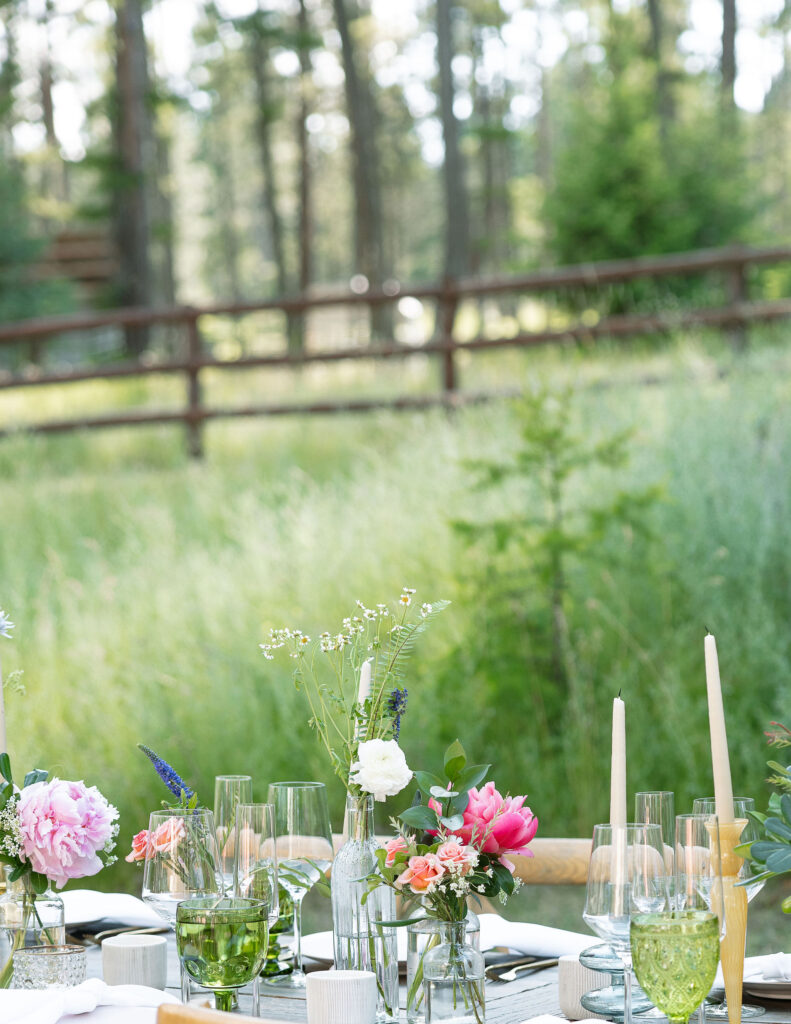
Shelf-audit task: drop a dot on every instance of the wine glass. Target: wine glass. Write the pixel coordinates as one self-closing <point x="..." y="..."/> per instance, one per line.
<point x="184" y="860"/>
<point x="627" y="874"/>
<point x="742" y="805"/>
<point x="255" y="863"/>
<point x="304" y="852"/>
<point x="698" y="871"/>
<point x="229" y="792"/>
<point x="675" y="958"/>
<point x="222" y="943"/>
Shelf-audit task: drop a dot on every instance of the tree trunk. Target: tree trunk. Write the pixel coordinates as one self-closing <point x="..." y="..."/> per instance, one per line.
<point x="368" y="220"/>
<point x="456" y="210"/>
<point x="134" y="143"/>
<point x="664" y="99"/>
<point x="728" y="60"/>
<point x="259" y="54"/>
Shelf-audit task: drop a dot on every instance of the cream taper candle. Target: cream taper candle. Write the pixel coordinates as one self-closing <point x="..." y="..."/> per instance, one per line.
<point x="723" y="789"/>
<point x="618" y="764"/>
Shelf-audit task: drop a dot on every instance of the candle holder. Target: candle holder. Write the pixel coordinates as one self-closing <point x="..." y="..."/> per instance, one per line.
<point x="733" y="902"/>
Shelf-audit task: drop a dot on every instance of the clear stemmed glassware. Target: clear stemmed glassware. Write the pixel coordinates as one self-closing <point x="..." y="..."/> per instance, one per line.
<point x="698" y="871"/>
<point x="184" y="863"/>
<point x="222" y="944"/>
<point x="742" y="805"/>
<point x="304" y="851"/>
<point x="627" y="874"/>
<point x="229" y="792"/>
<point x="656" y="807"/>
<point x="184" y="860"/>
<point x="255" y="863"/>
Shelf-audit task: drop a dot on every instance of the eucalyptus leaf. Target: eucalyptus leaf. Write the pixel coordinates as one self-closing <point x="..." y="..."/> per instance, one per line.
<point x="34" y="776"/>
<point x="473" y="775"/>
<point x="421" y="817"/>
<point x="441" y="793"/>
<point x="427" y="781"/>
<point x="780" y="860"/>
<point x="785" y="806"/>
<point x="777" y="828"/>
<point x="5" y="767"/>
<point x="453" y="822"/>
<point x="455" y="760"/>
<point x="763" y="849"/>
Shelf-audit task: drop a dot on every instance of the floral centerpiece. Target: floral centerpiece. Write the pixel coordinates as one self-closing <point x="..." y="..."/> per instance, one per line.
<point x="353" y="679"/>
<point x="450" y="849"/>
<point x="771" y="854"/>
<point x="51" y="831"/>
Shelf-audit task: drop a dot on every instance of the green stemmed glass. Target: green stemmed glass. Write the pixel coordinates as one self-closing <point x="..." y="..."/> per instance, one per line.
<point x="675" y="957"/>
<point x="222" y="944"/>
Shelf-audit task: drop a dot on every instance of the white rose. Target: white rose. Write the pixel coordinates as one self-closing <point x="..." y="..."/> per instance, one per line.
<point x="381" y="768"/>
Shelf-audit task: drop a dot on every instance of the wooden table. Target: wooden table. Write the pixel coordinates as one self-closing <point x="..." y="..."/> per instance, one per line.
<point x="506" y="1003"/>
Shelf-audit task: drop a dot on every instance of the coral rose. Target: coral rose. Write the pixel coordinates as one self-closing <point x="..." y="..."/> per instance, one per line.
<point x="64" y="826"/>
<point x="509" y="824"/>
<point x="141" y="847"/>
<point x="397" y="845"/>
<point x="167" y="836"/>
<point x="421" y="873"/>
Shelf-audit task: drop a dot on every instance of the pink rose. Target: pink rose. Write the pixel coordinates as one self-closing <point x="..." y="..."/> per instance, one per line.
<point x="421" y="872"/>
<point x="167" y="836"/>
<point x="141" y="847"/>
<point x="456" y="858"/>
<point x="507" y="825"/>
<point x="395" y="846"/>
<point x="64" y="826"/>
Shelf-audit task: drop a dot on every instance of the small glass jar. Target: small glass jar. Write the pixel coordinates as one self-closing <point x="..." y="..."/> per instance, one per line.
<point x="423" y="936"/>
<point x="50" y="967"/>
<point x="453" y="979"/>
<point x="27" y="918"/>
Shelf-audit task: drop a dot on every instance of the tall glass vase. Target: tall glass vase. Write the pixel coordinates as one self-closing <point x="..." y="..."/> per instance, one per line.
<point x="421" y="937"/>
<point x="27" y="918"/>
<point x="453" y="979"/>
<point x="362" y="941"/>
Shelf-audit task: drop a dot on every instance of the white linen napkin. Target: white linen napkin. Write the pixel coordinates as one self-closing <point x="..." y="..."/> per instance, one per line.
<point x="547" y="1018"/>
<point x="49" y="1006"/>
<point x="531" y="939"/>
<point x="772" y="967"/>
<point x="82" y="906"/>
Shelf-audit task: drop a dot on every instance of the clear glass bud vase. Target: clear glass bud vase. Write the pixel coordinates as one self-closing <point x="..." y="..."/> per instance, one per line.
<point x="362" y="942"/>
<point x="423" y="936"/>
<point x="27" y="918"/>
<point x="453" y="979"/>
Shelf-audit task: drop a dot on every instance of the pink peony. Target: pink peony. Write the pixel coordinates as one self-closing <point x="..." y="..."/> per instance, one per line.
<point x="65" y="825"/>
<point x="141" y="847"/>
<point x="421" y="872"/>
<point x="395" y="846"/>
<point x="507" y="825"/>
<point x="457" y="858"/>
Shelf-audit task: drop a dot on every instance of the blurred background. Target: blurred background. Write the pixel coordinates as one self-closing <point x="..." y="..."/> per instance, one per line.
<point x="214" y="212"/>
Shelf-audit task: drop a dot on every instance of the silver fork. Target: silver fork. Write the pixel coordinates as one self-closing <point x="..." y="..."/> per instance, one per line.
<point x="512" y="975"/>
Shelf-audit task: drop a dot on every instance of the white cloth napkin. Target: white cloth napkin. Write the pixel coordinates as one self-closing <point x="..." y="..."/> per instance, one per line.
<point x="49" y="1006"/>
<point x="773" y="967"/>
<point x="531" y="939"/>
<point x="82" y="906"/>
<point x="547" y="1018"/>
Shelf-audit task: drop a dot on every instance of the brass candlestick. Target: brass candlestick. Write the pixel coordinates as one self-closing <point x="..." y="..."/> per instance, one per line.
<point x="734" y="904"/>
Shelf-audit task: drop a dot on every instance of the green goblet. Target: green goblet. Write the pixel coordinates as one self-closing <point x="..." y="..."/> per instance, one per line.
<point x="675" y="958"/>
<point x="222" y="944"/>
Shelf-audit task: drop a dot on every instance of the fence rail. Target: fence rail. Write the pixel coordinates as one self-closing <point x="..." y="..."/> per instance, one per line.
<point x="732" y="262"/>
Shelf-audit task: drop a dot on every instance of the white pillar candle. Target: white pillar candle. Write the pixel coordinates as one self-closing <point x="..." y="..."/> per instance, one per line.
<point x="364" y="691"/>
<point x="723" y="789"/>
<point x="618" y="764"/>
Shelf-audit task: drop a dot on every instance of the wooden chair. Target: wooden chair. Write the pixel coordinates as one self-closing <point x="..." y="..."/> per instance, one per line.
<point x="171" y="1014"/>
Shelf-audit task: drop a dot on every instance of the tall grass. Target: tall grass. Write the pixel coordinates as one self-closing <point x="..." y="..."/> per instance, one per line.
<point x="142" y="585"/>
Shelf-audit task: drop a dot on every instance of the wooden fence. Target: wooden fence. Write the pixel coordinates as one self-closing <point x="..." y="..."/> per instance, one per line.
<point x="734" y="315"/>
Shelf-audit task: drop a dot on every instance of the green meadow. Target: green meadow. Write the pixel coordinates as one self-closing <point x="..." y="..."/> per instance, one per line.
<point x="142" y="584"/>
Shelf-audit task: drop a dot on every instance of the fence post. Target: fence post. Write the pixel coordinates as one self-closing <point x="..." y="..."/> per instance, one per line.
<point x="447" y="311"/>
<point x="194" y="420"/>
<point x="737" y="294"/>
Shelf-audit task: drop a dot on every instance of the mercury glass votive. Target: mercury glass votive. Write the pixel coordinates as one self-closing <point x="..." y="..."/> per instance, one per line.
<point x="49" y="967"/>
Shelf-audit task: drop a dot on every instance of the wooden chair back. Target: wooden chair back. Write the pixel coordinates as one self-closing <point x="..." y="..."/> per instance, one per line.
<point x="171" y="1014"/>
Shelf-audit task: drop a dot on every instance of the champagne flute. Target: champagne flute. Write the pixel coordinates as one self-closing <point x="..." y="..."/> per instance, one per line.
<point x="304" y="852"/>
<point x="627" y="874"/>
<point x="229" y="792"/>
<point x="222" y="943"/>
<point x="255" y="863"/>
<point x="656" y="807"/>
<point x="742" y="805"/>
